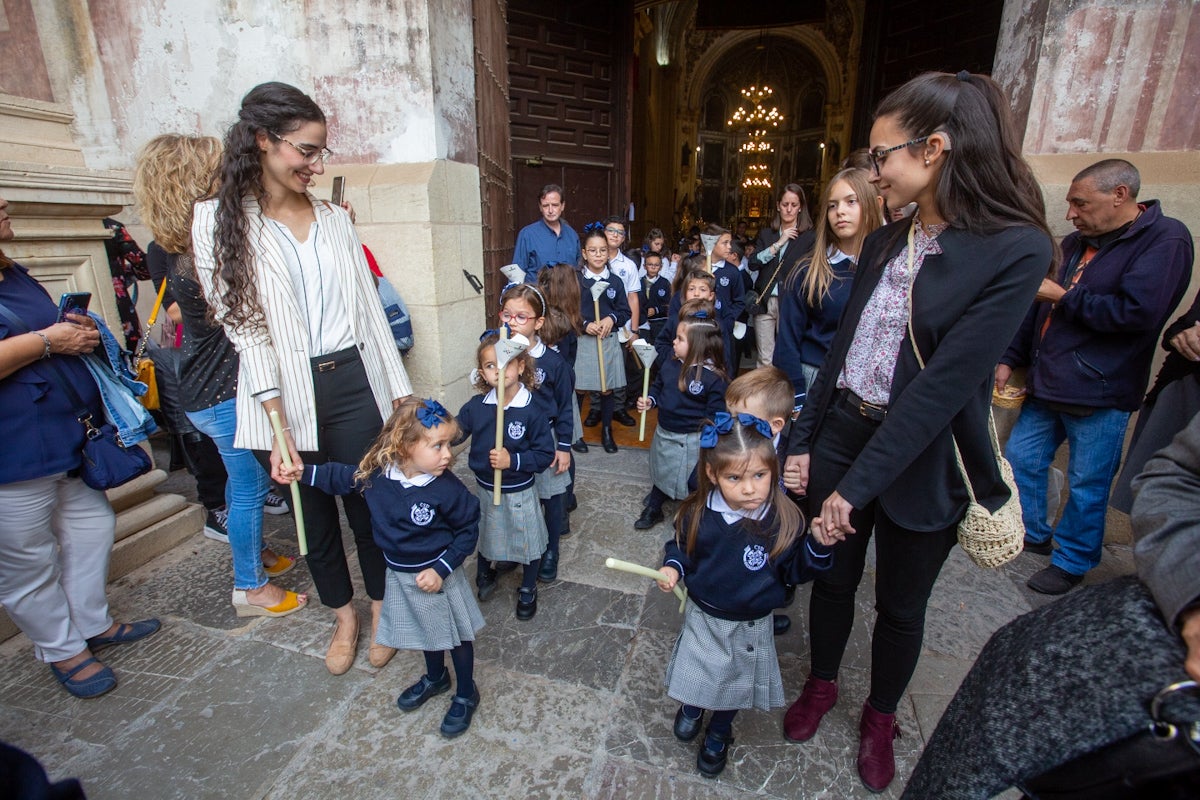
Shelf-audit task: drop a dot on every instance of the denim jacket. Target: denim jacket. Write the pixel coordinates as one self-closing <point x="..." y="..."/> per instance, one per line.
<point x="119" y="389"/>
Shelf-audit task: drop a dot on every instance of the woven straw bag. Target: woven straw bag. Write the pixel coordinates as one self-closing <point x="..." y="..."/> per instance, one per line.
<point x="989" y="539"/>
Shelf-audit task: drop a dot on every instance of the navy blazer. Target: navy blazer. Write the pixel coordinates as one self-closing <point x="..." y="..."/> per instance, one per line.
<point x="968" y="302"/>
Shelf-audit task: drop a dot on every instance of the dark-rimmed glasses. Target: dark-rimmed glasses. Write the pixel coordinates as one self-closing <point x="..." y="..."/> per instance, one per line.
<point x="879" y="156"/>
<point x="309" y="155"/>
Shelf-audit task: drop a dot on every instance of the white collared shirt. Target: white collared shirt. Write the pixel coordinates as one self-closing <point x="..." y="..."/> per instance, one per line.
<point x="522" y="398"/>
<point x="321" y="300"/>
<point x="716" y="501"/>
<point x="394" y="473"/>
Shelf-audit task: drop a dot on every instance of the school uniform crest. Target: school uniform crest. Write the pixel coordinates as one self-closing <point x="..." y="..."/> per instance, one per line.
<point x="696" y="387"/>
<point x="724" y="280"/>
<point x="421" y="514"/>
<point x="754" y="557"/>
<point x="612" y="294"/>
<point x="717" y="305"/>
<point x="516" y="429"/>
<point x="540" y="374"/>
<point x="662" y="292"/>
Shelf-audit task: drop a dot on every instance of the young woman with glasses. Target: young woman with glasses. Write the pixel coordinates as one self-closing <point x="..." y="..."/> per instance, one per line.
<point x="874" y="446"/>
<point x="286" y="276"/>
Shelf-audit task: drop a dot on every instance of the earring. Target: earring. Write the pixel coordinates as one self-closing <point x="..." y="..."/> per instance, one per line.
<point x="927" y="162"/>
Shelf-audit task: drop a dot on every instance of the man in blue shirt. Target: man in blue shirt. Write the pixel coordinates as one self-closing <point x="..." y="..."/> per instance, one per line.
<point x="548" y="241"/>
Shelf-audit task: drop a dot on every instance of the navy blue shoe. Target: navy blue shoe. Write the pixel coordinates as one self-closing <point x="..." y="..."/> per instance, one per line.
<point x="458" y="718"/>
<point x="86" y="688"/>
<point x="127" y="633"/>
<point x="714" y="752"/>
<point x="415" y="696"/>
<point x="686" y="728"/>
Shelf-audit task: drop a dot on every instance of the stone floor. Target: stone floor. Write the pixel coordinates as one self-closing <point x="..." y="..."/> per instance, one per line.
<point x="573" y="704"/>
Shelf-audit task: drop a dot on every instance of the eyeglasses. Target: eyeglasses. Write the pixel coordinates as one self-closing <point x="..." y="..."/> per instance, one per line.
<point x="310" y="155"/>
<point x="620" y="232"/>
<point x="520" y="319"/>
<point x="879" y="156"/>
<point x="596" y="251"/>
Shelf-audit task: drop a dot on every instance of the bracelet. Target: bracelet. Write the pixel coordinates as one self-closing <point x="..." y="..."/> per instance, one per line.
<point x="46" y="341"/>
<point x="288" y="428"/>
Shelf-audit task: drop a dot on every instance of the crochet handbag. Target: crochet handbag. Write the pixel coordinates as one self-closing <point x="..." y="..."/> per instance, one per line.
<point x="990" y="539"/>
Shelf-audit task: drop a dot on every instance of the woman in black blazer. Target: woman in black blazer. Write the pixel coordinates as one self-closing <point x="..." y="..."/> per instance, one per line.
<point x="778" y="249"/>
<point x="874" y="446"/>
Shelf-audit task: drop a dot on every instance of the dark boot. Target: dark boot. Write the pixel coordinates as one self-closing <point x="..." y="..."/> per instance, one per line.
<point x="876" y="757"/>
<point x="485" y="579"/>
<point x="606" y="439"/>
<point x="801" y="721"/>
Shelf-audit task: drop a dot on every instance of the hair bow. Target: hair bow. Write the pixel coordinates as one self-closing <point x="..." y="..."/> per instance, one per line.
<point x="431" y="413"/>
<point x="594" y="226"/>
<point x="496" y="332"/>
<point x="709" y="432"/>
<point x="701" y="314"/>
<point x="760" y="425"/>
<point x="507" y="286"/>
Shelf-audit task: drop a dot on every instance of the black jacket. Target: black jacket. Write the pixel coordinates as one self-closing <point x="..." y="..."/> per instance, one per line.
<point x="968" y="302"/>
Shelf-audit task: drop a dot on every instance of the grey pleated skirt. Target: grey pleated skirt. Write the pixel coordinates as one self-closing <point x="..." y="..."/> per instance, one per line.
<point x="587" y="364"/>
<point x="413" y="619"/>
<point x="577" y="434"/>
<point x="719" y="664"/>
<point x="673" y="456"/>
<point x="515" y="530"/>
<point x="549" y="484"/>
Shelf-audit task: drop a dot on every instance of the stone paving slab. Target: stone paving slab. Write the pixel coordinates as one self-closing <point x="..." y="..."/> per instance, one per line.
<point x="573" y="702"/>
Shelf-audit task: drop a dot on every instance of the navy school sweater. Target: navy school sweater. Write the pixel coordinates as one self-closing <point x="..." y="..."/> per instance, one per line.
<point x="554" y="394"/>
<point x="655" y="299"/>
<point x="527" y="437"/>
<point x="614" y="302"/>
<point x="684" y="411"/>
<point x="731" y="576"/>
<point x="416" y="527"/>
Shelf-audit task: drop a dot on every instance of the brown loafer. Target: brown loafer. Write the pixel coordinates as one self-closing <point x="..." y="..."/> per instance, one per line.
<point x="340" y="655"/>
<point x="378" y="654"/>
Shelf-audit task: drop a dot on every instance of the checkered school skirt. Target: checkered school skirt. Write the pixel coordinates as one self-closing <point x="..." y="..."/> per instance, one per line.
<point x="413" y="619"/>
<point x="548" y="484"/>
<point x="515" y="530"/>
<point x="673" y="456"/>
<point x="719" y="664"/>
<point x="587" y="364"/>
<point x="577" y="433"/>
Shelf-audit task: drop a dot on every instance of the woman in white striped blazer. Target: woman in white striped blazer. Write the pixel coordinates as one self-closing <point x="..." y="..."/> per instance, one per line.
<point x="286" y="276"/>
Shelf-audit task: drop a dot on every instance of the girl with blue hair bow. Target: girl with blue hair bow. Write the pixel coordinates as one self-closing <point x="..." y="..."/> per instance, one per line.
<point x="738" y="543"/>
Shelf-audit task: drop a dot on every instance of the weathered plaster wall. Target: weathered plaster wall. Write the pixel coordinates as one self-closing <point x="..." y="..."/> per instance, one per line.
<point x="1116" y="76"/>
<point x="135" y="69"/>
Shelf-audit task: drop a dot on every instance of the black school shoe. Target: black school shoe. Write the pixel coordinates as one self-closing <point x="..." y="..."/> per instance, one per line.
<point x="580" y="446"/>
<point x="686" y="728"/>
<point x="649" y="518"/>
<point x="485" y="582"/>
<point x="622" y="416"/>
<point x="415" y="696"/>
<point x="606" y="439"/>
<point x="526" y="604"/>
<point x="549" y="569"/>
<point x="714" y="752"/>
<point x="592" y="419"/>
<point x="781" y="623"/>
<point x="458" y="718"/>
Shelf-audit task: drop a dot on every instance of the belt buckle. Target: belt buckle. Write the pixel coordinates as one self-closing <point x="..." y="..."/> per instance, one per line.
<point x="326" y="366"/>
<point x="872" y="411"/>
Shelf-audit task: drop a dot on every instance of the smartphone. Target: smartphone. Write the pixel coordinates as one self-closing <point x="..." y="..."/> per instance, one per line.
<point x="339" y="189"/>
<point x="73" y="303"/>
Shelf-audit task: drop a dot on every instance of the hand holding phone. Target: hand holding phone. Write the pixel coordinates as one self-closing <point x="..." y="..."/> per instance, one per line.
<point x="339" y="189"/>
<point x="73" y="303"/>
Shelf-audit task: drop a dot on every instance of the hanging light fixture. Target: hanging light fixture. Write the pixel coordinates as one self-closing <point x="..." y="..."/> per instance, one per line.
<point x="757" y="114"/>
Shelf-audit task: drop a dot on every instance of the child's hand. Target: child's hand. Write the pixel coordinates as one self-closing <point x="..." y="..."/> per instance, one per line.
<point x="643" y="404"/>
<point x="286" y="475"/>
<point x="562" y="462"/>
<point x="500" y="459"/>
<point x="817" y="528"/>
<point x="670" y="577"/>
<point x="604" y="327"/>
<point x="795" y="473"/>
<point x="428" y="580"/>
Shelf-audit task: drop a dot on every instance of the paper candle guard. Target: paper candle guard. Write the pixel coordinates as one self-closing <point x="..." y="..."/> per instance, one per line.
<point x="646" y="353"/>
<point x="598" y="288"/>
<point x="506" y="350"/>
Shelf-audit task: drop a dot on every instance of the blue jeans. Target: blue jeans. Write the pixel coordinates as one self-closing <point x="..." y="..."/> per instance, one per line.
<point x="245" y="492"/>
<point x="1095" y="443"/>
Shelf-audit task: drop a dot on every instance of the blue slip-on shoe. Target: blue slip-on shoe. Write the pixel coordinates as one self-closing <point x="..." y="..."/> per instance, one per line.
<point x="127" y="632"/>
<point x="86" y="688"/>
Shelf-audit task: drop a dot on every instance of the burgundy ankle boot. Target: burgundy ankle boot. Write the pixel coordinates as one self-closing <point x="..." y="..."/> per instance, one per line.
<point x="802" y="719"/>
<point x="876" y="759"/>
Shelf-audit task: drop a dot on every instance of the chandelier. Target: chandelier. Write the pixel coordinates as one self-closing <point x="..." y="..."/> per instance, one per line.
<point x="758" y="115"/>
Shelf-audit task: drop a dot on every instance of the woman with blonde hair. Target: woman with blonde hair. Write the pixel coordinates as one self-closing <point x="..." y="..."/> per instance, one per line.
<point x="172" y="173"/>
<point x="813" y="296"/>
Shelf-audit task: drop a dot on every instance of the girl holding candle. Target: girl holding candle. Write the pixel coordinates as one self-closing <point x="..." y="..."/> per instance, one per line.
<point x="738" y="544"/>
<point x="426" y="522"/>
<point x="514" y="530"/>
<point x="688" y="389"/>
<point x="602" y="315"/>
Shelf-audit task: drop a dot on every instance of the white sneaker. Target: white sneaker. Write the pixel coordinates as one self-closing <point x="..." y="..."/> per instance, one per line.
<point x="275" y="505"/>
<point x="214" y="526"/>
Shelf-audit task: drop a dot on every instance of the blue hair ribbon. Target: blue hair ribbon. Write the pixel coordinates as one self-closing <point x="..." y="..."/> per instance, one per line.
<point x="496" y="332"/>
<point x="723" y="423"/>
<point x="594" y="226"/>
<point x="431" y="413"/>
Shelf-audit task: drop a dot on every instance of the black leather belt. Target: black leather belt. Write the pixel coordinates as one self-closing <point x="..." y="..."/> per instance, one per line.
<point x="331" y="361"/>
<point x="871" y="411"/>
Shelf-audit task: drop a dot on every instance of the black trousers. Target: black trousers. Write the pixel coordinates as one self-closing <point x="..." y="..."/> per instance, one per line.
<point x="347" y="423"/>
<point x="907" y="564"/>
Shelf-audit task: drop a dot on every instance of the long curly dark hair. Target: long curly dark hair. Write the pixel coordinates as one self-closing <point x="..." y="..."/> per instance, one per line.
<point x="277" y="109"/>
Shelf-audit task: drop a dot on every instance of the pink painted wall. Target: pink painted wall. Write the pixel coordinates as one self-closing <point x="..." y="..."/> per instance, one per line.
<point x="1121" y="76"/>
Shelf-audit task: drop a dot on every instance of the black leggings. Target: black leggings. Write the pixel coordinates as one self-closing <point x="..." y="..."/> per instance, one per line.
<point x="463" y="658"/>
<point x="907" y="565"/>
